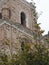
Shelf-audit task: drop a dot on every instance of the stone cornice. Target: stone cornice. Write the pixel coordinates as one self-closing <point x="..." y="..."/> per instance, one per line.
<point x="27" y="3"/>
<point x="17" y="27"/>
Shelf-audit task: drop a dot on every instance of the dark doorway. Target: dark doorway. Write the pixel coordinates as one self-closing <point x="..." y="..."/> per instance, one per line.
<point x="23" y="19"/>
<point x="0" y="15"/>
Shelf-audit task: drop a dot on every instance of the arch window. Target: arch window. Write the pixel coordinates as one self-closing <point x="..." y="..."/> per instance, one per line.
<point x="22" y="46"/>
<point x="6" y="13"/>
<point x="0" y="15"/>
<point x="23" y="19"/>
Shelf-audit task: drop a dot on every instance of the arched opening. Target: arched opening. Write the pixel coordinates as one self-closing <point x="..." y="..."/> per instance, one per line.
<point x="0" y="15"/>
<point x="9" y="13"/>
<point x="6" y="13"/>
<point x="23" y="19"/>
<point x="22" y="46"/>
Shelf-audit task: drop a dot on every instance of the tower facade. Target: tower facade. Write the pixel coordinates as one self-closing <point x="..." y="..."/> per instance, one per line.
<point x="17" y="18"/>
<point x="18" y="11"/>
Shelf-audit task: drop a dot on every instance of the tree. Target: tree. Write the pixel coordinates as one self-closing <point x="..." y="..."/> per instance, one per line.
<point x="39" y="55"/>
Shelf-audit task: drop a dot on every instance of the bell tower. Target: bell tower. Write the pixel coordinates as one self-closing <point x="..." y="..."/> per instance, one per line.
<point x="18" y="11"/>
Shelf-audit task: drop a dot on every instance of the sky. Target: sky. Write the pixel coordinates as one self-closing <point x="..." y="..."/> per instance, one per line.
<point x="42" y="7"/>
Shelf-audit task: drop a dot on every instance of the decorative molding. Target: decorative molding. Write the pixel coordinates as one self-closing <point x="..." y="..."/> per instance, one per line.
<point x="15" y="28"/>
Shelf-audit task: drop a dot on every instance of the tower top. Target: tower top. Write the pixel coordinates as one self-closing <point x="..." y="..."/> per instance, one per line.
<point x="19" y="11"/>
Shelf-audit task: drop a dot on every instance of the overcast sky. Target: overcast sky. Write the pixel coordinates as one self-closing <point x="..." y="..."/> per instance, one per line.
<point x="42" y="7"/>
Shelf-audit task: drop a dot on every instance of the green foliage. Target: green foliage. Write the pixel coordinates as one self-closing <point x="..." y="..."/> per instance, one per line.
<point x="38" y="29"/>
<point x="39" y="55"/>
<point x="4" y="59"/>
<point x="47" y="40"/>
